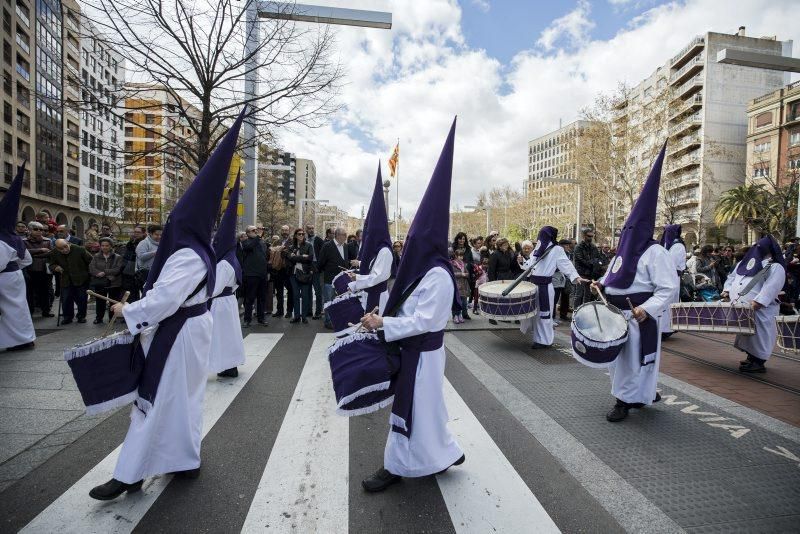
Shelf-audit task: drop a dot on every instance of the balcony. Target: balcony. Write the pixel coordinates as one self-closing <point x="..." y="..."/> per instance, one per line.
<point x="694" y="66"/>
<point x="73" y="134"/>
<point x="23" y="127"/>
<point x="22" y="71"/>
<point x="23" y="44"/>
<point x="683" y="144"/>
<point x="689" y="123"/>
<point x="694" y="103"/>
<point x="688" y="88"/>
<point x="685" y="180"/>
<point x="688" y="51"/>
<point x="22" y="16"/>
<point x="679" y="164"/>
<point x="691" y="198"/>
<point x="72" y="197"/>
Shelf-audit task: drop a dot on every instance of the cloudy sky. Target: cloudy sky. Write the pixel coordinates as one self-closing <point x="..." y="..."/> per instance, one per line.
<point x="510" y="70"/>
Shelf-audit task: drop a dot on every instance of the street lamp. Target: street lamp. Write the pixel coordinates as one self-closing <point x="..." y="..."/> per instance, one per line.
<point x="304" y="201"/>
<point x="477" y="208"/>
<point x="299" y="13"/>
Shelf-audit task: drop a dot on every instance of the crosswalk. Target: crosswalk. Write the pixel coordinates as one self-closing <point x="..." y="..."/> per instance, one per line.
<point x="307" y="482"/>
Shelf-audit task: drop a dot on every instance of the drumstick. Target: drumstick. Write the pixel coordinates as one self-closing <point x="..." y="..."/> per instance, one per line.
<point x="110" y="327"/>
<point x="597" y="316"/>
<point x="630" y="304"/>
<point x="98" y="296"/>
<point x="361" y="325"/>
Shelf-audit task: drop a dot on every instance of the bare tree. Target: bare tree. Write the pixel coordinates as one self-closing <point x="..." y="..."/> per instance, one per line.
<point x="194" y="51"/>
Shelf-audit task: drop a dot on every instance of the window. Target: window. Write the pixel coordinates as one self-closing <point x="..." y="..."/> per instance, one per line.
<point x="764" y="119"/>
<point x="91" y="181"/>
<point x="91" y="200"/>
<point x="762" y="146"/>
<point x="761" y="172"/>
<point x="794" y="111"/>
<point x="794" y="138"/>
<point x="794" y="163"/>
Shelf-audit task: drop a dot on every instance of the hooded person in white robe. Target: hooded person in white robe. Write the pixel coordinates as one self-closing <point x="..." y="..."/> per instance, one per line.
<point x="227" y="344"/>
<point x="756" y="281"/>
<point x="547" y="256"/>
<point x="174" y="325"/>
<point x="16" y="327"/>
<point x="418" y="309"/>
<point x="640" y="281"/>
<point x="672" y="242"/>
<point x="375" y="254"/>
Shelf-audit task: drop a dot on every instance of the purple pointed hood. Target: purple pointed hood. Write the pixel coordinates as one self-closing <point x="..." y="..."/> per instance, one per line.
<point x="190" y="222"/>
<point x="9" y="207"/>
<point x="546" y="239"/>
<point x="224" y="243"/>
<point x="637" y="234"/>
<point x="671" y="235"/>
<point x="376" y="228"/>
<point x="426" y="243"/>
<point x="752" y="261"/>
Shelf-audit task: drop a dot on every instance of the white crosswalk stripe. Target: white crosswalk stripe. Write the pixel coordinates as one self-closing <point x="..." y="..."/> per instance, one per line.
<point x="304" y="487"/>
<point x="75" y="511"/>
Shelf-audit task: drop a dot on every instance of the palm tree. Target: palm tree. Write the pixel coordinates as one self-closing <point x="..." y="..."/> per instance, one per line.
<point x="743" y="203"/>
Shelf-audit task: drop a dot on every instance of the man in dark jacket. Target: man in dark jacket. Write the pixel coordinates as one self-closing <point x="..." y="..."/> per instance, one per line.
<point x="129" y="263"/>
<point x="255" y="269"/>
<point x="334" y="256"/>
<point x="316" y="281"/>
<point x="40" y="282"/>
<point x="71" y="262"/>
<point x="106" y="271"/>
<point x="355" y="246"/>
<point x="590" y="263"/>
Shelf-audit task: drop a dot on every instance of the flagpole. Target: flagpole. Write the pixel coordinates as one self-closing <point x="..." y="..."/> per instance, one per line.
<point x="397" y="195"/>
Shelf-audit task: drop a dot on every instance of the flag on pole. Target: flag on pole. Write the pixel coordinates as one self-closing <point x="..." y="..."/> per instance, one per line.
<point x="394" y="160"/>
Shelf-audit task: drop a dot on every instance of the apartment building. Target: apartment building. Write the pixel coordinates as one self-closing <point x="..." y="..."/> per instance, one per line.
<point x="102" y="133"/>
<point x="154" y="171"/>
<point x="552" y="188"/>
<point x="306" y="174"/>
<point x="706" y="125"/>
<point x="279" y="168"/>
<point x="773" y="137"/>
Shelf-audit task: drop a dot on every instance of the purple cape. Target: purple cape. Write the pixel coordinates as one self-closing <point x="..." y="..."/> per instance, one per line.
<point x="9" y="207"/>
<point x="752" y="261"/>
<point x="224" y="243"/>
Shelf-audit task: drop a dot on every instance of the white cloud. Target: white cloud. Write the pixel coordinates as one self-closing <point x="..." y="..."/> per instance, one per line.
<point x="483" y="5"/>
<point x="574" y="27"/>
<point x="411" y="81"/>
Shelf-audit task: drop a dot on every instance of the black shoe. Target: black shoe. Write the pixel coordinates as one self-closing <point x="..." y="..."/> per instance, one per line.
<point x="305" y="320"/>
<point x="537" y="346"/>
<point x="66" y="321"/>
<point x="24" y="346"/>
<point x="295" y="320"/>
<point x="658" y="397"/>
<point x="666" y="335"/>
<point x="618" y="413"/>
<point x="492" y="321"/>
<point x="457" y="462"/>
<point x="263" y="322"/>
<point x="246" y="324"/>
<point x="81" y="319"/>
<point x="189" y="473"/>
<point x="381" y="480"/>
<point x="288" y="315"/>
<point x="747" y="361"/>
<point x="233" y="372"/>
<point x="97" y="321"/>
<point x="466" y="316"/>
<point x="316" y="317"/>
<point x="113" y="489"/>
<point x="48" y="314"/>
<point x="755" y="366"/>
<point x="277" y="314"/>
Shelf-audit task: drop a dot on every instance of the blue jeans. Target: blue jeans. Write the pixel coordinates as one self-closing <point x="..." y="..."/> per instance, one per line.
<point x="327" y="295"/>
<point x="301" y="291"/>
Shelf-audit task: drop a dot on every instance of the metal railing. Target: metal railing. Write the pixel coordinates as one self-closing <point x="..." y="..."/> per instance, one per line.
<point x="693" y="82"/>
<point x="22" y="44"/>
<point x="694" y="42"/>
<point x="693" y="63"/>
<point x="23" y="17"/>
<point x="685" y="142"/>
<point x="689" y="122"/>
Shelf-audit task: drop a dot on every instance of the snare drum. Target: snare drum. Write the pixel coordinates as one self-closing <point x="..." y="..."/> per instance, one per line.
<point x="788" y="333"/>
<point x="345" y="309"/>
<point x="598" y="332"/>
<point x="362" y="371"/>
<point x="713" y="317"/>
<point x="520" y="303"/>
<point x="340" y="282"/>
<point x="106" y="371"/>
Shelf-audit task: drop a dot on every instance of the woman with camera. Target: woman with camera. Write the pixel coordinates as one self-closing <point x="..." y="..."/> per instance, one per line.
<point x="300" y="257"/>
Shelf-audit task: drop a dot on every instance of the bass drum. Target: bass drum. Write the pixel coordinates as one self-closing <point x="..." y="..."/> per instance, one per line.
<point x="598" y="332"/>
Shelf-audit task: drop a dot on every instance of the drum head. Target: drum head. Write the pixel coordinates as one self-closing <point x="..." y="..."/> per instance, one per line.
<point x="611" y="326"/>
<point x="496" y="288"/>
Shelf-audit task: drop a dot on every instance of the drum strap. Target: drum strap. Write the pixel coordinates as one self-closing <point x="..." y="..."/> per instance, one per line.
<point x="12" y="266"/>
<point x="759" y="277"/>
<point x="648" y="329"/>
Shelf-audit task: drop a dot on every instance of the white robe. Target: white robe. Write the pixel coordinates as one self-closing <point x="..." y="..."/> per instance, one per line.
<point x="168" y="438"/>
<point x="431" y="447"/>
<point x="380" y="271"/>
<point x="765" y="293"/>
<point x="542" y="329"/>
<point x="677" y="252"/>
<point x="227" y="345"/>
<point x="630" y="381"/>
<point x="16" y="327"/>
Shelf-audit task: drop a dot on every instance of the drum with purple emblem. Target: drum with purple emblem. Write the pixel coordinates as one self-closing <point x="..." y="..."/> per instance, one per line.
<point x="340" y="282"/>
<point x="344" y="310"/>
<point x="106" y="371"/>
<point x="788" y="332"/>
<point x="520" y="303"/>
<point x="361" y="370"/>
<point x="713" y="317"/>
<point x="598" y="332"/>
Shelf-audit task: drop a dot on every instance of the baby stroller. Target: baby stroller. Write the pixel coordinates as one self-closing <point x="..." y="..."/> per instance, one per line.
<point x="704" y="290"/>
